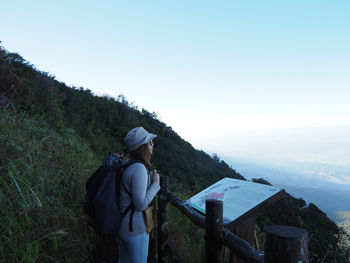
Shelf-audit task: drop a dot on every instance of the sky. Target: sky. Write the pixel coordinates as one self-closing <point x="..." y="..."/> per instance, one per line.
<point x="212" y="70"/>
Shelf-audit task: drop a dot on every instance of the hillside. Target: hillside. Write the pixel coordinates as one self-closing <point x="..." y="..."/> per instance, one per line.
<point x="39" y="114"/>
<point x="42" y="177"/>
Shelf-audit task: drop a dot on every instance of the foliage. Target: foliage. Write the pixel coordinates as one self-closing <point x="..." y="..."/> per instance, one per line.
<point x="42" y="174"/>
<point x="261" y="181"/>
<point x="344" y="220"/>
<point x="344" y="236"/>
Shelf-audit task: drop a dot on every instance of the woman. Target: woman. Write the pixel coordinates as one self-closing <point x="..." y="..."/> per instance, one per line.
<point x="138" y="189"/>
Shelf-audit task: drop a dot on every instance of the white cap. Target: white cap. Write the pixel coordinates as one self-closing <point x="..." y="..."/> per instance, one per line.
<point x="137" y="137"/>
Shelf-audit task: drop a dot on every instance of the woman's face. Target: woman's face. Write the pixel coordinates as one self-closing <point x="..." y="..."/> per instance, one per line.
<point x="150" y="145"/>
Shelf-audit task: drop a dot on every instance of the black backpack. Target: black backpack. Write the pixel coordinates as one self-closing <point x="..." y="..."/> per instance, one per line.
<point x="102" y="199"/>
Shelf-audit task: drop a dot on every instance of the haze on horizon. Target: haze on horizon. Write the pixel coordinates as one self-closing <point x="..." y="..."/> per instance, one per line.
<point x="317" y="153"/>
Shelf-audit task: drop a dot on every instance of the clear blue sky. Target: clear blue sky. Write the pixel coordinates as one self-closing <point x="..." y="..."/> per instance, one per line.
<point x="206" y="68"/>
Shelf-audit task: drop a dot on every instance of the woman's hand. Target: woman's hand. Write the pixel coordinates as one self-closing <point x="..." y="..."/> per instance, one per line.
<point x="155" y="176"/>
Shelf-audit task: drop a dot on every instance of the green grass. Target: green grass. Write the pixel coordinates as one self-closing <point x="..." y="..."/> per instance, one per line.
<point x="42" y="178"/>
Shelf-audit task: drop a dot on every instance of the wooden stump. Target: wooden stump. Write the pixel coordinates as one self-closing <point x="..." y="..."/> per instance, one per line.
<point x="286" y="244"/>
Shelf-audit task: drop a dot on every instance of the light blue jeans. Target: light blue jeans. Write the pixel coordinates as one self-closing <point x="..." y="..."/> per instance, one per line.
<point x="133" y="249"/>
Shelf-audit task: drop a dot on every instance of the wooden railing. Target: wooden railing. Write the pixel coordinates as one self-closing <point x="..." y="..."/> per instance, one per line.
<point x="282" y="243"/>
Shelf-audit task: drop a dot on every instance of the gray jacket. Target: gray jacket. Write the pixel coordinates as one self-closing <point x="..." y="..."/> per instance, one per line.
<point x="137" y="182"/>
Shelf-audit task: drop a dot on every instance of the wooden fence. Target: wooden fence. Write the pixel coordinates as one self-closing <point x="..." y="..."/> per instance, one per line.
<point x="282" y="243"/>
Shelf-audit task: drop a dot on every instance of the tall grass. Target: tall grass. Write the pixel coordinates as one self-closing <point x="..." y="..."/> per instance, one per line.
<point x="42" y="176"/>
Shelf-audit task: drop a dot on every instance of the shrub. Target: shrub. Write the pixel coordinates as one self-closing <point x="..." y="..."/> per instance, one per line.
<point x="42" y="176"/>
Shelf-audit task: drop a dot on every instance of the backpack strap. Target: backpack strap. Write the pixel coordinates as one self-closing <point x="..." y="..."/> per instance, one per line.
<point x="131" y="218"/>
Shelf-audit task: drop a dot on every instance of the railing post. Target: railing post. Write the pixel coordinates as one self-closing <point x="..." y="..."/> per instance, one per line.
<point x="286" y="244"/>
<point x="162" y="226"/>
<point x="213" y="228"/>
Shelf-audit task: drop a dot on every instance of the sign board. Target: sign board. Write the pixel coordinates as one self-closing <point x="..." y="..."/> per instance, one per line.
<point x="239" y="197"/>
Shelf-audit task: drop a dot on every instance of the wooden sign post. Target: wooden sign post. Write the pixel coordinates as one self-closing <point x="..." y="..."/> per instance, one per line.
<point x="242" y="200"/>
